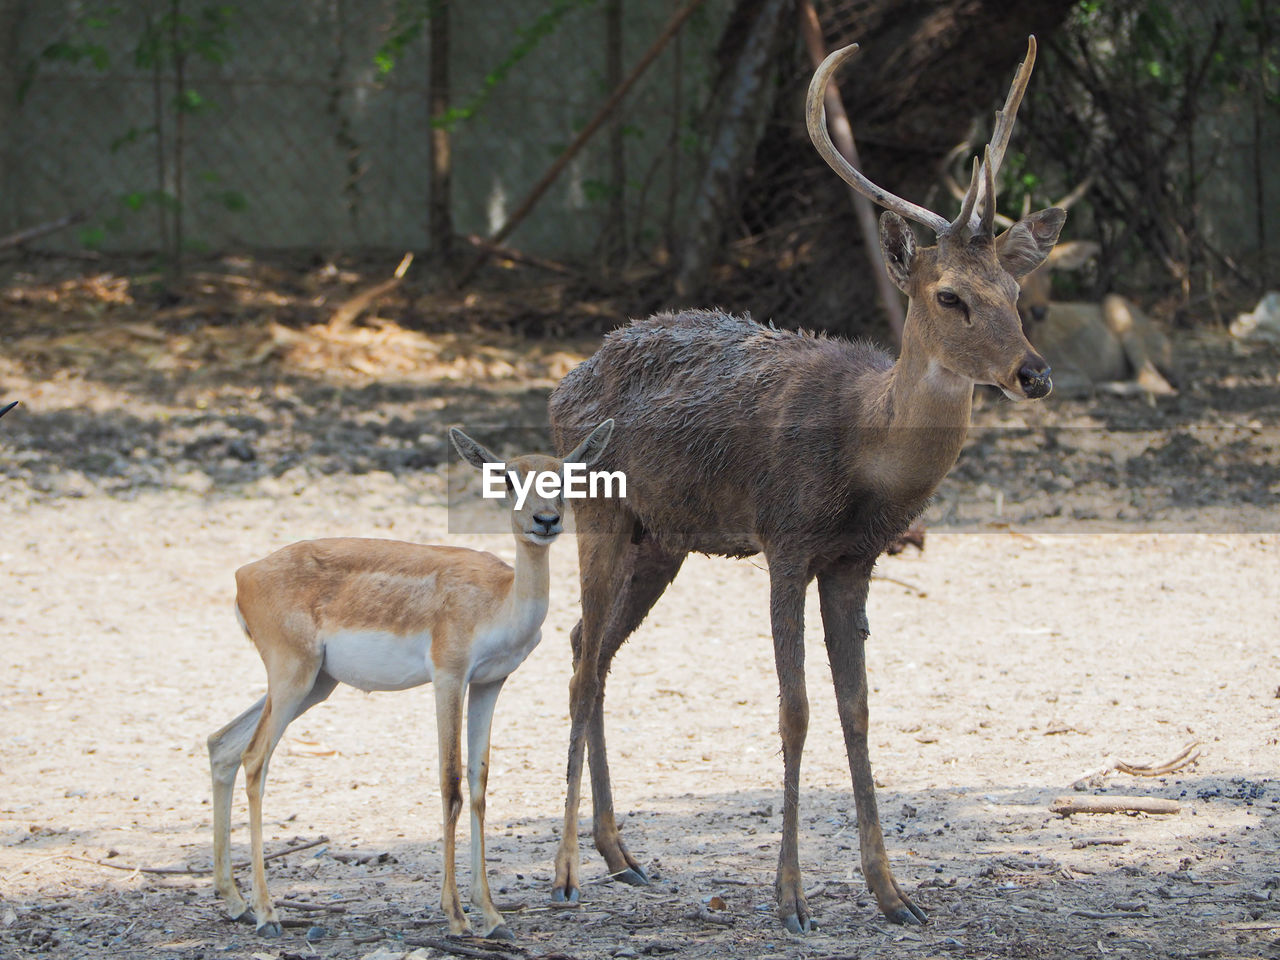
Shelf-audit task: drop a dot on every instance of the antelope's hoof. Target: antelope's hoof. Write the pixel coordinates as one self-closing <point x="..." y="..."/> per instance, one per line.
<point x="632" y="875"/>
<point x="271" y="929"/>
<point x="797" y="924"/>
<point x="561" y="895"/>
<point x="500" y="932"/>
<point x="907" y="915"/>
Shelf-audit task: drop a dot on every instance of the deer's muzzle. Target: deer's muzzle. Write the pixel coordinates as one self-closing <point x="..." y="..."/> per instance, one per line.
<point x="1034" y="378"/>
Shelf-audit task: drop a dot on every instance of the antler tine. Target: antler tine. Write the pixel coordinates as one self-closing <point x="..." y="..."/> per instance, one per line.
<point x="957" y="191"/>
<point x="1081" y="189"/>
<point x="1005" y="117"/>
<point x="989" y="211"/>
<point x="967" y="203"/>
<point x="6" y="409"/>
<point x="816" y="120"/>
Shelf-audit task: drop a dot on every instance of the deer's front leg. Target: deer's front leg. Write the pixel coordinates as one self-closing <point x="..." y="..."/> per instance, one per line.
<point x="480" y="703"/>
<point x="449" y="692"/>
<point x="601" y="542"/>
<point x="787" y="588"/>
<point x="843" y="595"/>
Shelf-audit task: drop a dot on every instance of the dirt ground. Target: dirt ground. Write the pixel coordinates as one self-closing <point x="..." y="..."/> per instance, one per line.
<point x="1100" y="578"/>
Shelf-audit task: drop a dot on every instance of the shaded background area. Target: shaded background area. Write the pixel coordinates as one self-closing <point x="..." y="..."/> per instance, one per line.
<point x="180" y="129"/>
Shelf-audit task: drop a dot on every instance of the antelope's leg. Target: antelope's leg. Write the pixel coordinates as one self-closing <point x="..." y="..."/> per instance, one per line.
<point x="449" y="694"/>
<point x="649" y="572"/>
<point x="787" y="589"/>
<point x="226" y="747"/>
<point x="290" y="691"/>
<point x="481" y="699"/>
<point x="842" y="592"/>
<point x="600" y="552"/>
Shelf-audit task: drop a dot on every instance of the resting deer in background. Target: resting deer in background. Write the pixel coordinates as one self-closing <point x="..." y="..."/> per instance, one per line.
<point x="1110" y="344"/>
<point x="385" y="615"/>
<point x="738" y="438"/>
<point x="4" y="410"/>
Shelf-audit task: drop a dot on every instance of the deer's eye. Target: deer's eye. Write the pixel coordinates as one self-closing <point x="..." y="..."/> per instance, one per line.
<point x="948" y="299"/>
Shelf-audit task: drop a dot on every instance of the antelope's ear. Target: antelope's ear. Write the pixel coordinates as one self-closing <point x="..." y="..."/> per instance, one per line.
<point x="1074" y="254"/>
<point x="898" y="246"/>
<point x="591" y="449"/>
<point x="1026" y="244"/>
<point x="476" y="454"/>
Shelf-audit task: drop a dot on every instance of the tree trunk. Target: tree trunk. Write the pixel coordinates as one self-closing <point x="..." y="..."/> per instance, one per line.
<point x="613" y="240"/>
<point x="753" y="38"/>
<point x="440" y="191"/>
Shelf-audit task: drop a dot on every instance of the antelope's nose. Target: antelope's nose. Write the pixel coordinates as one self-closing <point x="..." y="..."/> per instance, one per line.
<point x="549" y="521"/>
<point x="1034" y="378"/>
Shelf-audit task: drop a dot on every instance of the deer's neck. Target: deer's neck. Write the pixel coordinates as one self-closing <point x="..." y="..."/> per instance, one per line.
<point x="526" y="605"/>
<point x="922" y="416"/>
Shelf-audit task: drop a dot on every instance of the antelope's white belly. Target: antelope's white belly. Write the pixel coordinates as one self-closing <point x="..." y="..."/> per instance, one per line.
<point x="378" y="660"/>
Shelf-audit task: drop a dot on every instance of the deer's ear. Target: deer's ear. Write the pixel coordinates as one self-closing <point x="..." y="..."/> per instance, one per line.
<point x="590" y="449"/>
<point x="476" y="454"/>
<point x="898" y="245"/>
<point x="1026" y="244"/>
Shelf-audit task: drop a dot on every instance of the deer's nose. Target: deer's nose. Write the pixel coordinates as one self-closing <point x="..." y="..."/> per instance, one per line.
<point x="547" y="519"/>
<point x="1038" y="313"/>
<point x="1034" y="377"/>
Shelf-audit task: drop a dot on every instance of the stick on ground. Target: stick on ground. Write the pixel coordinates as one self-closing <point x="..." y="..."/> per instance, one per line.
<point x="1066" y="806"/>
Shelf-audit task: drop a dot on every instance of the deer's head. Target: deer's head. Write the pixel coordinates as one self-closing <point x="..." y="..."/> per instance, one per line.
<point x="534" y="483"/>
<point x="1036" y="288"/>
<point x="963" y="290"/>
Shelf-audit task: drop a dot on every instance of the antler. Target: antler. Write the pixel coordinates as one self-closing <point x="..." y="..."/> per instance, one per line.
<point x="816" y="119"/>
<point x="4" y="410"/>
<point x="999" y="143"/>
<point x="982" y="184"/>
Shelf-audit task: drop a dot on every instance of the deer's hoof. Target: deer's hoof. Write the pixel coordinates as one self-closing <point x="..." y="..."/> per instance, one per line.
<point x="632" y="875"/>
<point x="500" y="932"/>
<point x="270" y="929"/>
<point x="797" y="924"/>
<point x="571" y="895"/>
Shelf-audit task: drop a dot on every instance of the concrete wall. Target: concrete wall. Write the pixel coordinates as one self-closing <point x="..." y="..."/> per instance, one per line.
<point x="328" y="155"/>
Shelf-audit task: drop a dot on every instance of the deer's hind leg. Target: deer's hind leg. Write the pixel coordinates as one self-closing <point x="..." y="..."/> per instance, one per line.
<point x="226" y="750"/>
<point x="842" y="592"/>
<point x="649" y="571"/>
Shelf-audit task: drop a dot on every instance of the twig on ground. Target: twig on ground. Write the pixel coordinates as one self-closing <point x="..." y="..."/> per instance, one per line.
<point x="1082" y="842"/>
<point x="519" y="256"/>
<point x="901" y="583"/>
<point x="198" y="871"/>
<point x="1066" y="806"/>
<point x="481" y="950"/>
<point x="352" y="307"/>
<point x="700" y="912"/>
<point x="1107" y="915"/>
<point x="1112" y="764"/>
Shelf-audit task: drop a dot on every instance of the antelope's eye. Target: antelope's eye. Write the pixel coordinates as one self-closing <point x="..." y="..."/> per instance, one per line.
<point x="948" y="299"/>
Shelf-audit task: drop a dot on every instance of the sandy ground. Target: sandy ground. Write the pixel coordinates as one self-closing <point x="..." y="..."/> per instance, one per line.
<point x="1003" y="666"/>
<point x="1021" y="649"/>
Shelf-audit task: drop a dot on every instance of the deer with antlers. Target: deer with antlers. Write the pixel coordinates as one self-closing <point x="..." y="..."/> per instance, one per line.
<point x="738" y="438"/>
<point x="385" y="615"/>
<point x="1109" y="344"/>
